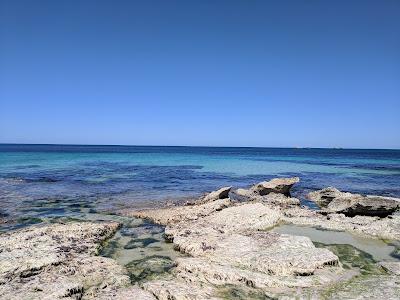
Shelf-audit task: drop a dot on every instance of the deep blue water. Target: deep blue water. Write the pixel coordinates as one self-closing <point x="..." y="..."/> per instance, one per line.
<point x="51" y="181"/>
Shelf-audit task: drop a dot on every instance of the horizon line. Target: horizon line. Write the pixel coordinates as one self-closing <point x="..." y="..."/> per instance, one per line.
<point x="191" y="146"/>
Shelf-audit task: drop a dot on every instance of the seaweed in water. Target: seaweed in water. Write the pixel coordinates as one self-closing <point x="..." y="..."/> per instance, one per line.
<point x="352" y="257"/>
<point x="149" y="267"/>
<point x="140" y="243"/>
<point x="110" y="248"/>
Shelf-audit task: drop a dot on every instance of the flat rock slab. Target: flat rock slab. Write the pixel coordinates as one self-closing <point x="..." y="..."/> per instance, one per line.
<point x="173" y="215"/>
<point x="231" y="247"/>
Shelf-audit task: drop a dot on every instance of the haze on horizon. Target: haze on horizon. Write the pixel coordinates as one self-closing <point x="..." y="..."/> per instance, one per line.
<point x="212" y="73"/>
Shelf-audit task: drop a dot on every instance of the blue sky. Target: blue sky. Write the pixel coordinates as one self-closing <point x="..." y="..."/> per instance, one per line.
<point x="223" y="73"/>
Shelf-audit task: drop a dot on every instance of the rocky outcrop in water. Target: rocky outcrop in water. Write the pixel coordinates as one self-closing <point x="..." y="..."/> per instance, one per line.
<point x="334" y="201"/>
<point x="228" y="247"/>
<point x="276" y="185"/>
<point x="375" y="227"/>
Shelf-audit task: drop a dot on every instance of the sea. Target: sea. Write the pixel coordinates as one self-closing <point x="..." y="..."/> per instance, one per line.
<point x="46" y="183"/>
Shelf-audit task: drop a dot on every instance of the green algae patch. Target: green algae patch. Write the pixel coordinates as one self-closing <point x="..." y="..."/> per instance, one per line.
<point x="378" y="249"/>
<point x="351" y="258"/>
<point x="29" y="220"/>
<point x="140" y="243"/>
<point x="66" y="220"/>
<point x="150" y="267"/>
<point x="366" y="287"/>
<point x="110" y="248"/>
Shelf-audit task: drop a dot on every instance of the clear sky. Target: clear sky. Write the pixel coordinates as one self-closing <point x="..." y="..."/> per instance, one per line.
<point x="225" y="73"/>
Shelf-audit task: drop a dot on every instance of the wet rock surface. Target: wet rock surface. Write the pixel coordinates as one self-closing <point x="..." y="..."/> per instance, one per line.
<point x="334" y="201"/>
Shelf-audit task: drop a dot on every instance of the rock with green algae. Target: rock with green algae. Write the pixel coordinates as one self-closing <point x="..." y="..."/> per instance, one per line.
<point x="149" y="267"/>
<point x="58" y="261"/>
<point x="367" y="287"/>
<point x="230" y="247"/>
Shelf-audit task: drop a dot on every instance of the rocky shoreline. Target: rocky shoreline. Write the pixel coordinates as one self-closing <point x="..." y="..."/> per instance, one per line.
<point x="229" y="250"/>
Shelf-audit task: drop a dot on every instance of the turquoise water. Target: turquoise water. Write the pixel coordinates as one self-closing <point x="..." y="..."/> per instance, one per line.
<point x="55" y="181"/>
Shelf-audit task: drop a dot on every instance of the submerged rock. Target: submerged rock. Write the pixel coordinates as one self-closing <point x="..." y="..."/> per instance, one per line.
<point x="333" y="200"/>
<point x="149" y="267"/>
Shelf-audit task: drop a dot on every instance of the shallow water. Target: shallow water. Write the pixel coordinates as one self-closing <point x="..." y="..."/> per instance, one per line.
<point x="40" y="182"/>
<point x="141" y="248"/>
<point x="378" y="249"/>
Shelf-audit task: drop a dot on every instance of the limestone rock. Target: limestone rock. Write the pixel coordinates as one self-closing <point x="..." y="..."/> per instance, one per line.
<point x="332" y="200"/>
<point x="222" y="193"/>
<point x="392" y="267"/>
<point x="323" y="197"/>
<point x="246" y="216"/>
<point x="229" y="247"/>
<point x="264" y="252"/>
<point x="368" y="287"/>
<point x="220" y="274"/>
<point x="56" y="261"/>
<point x="276" y="185"/>
<point x="278" y="200"/>
<point x="131" y="293"/>
<point x="383" y="228"/>
<point x="180" y="290"/>
<point x="167" y="216"/>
